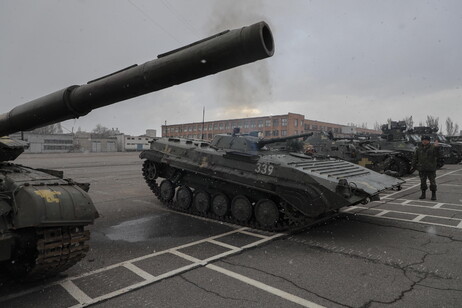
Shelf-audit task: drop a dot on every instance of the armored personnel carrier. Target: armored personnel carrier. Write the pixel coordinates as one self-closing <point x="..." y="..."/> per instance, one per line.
<point x="393" y="138"/>
<point x="456" y="144"/>
<point x="43" y="215"/>
<point x="240" y="179"/>
<point x="362" y="152"/>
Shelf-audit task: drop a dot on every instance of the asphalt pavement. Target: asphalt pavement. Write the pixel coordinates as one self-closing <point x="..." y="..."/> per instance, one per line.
<point x="396" y="252"/>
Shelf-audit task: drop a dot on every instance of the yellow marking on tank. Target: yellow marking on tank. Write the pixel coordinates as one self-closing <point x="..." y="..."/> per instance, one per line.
<point x="364" y="161"/>
<point x="204" y="162"/>
<point x="48" y="195"/>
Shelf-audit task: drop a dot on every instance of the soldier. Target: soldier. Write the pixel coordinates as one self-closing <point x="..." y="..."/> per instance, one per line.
<point x="425" y="158"/>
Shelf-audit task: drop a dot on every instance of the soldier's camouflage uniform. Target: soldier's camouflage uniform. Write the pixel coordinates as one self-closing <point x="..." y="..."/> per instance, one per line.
<point x="425" y="160"/>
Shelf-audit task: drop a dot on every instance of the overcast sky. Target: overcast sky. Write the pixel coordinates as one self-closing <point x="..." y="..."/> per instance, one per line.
<point x="335" y="61"/>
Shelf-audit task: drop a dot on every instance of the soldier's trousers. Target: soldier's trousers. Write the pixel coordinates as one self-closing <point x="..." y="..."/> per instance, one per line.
<point x="431" y="175"/>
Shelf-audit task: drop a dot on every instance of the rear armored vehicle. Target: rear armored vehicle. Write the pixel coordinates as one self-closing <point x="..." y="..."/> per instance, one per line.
<point x="394" y="138"/>
<point x="43" y="215"/>
<point x="361" y="152"/>
<point x="240" y="179"/>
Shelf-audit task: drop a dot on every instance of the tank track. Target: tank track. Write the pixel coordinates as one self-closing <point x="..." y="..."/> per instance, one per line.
<point x="291" y="220"/>
<point x="56" y="250"/>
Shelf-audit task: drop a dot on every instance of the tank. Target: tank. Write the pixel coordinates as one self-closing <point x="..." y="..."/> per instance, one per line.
<point x="243" y="180"/>
<point x="362" y="152"/>
<point x="43" y="216"/>
<point x="394" y="138"/>
<point x="456" y="144"/>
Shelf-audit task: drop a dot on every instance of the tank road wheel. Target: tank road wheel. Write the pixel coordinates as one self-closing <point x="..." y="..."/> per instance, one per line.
<point x="184" y="197"/>
<point x="220" y="204"/>
<point x="167" y="190"/>
<point x="150" y="170"/>
<point x="241" y="208"/>
<point x="266" y="212"/>
<point x="202" y="201"/>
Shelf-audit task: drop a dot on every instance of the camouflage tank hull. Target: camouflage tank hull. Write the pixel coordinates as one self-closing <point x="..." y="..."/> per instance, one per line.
<point x="42" y="221"/>
<point x="271" y="191"/>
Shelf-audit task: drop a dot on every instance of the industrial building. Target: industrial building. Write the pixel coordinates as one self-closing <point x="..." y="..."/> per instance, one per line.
<point x="269" y="126"/>
<point x="46" y="143"/>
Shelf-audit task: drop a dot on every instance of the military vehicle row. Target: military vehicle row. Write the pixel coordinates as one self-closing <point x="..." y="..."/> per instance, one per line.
<point x="362" y="152"/>
<point x="43" y="215"/>
<point x="241" y="179"/>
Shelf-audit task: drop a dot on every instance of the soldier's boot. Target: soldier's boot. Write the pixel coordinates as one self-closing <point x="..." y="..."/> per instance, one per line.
<point x="422" y="196"/>
<point x="433" y="195"/>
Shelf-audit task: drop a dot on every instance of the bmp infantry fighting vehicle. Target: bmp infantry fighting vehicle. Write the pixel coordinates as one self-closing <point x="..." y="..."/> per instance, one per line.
<point x="43" y="215"/>
<point x="394" y="138"/>
<point x="361" y="152"/>
<point x="239" y="179"/>
<point x="456" y="144"/>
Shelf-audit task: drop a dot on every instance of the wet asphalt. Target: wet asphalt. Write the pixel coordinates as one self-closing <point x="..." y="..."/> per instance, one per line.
<point x="399" y="252"/>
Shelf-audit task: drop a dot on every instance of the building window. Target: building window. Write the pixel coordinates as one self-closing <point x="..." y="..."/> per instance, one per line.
<point x="296" y="122"/>
<point x="253" y="124"/>
<point x="267" y="123"/>
<point x="260" y="123"/>
<point x="276" y="122"/>
<point x="275" y="133"/>
<point x="246" y="124"/>
<point x="210" y="136"/>
<point x="283" y="132"/>
<point x="222" y="126"/>
<point x="215" y="126"/>
<point x="307" y="126"/>
<point x="267" y="133"/>
<point x="336" y="130"/>
<point x="58" y="141"/>
<point x="284" y="121"/>
<point x="210" y="126"/>
<point x="227" y="125"/>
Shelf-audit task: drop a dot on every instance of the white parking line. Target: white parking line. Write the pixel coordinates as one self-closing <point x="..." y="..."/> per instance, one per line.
<point x="84" y="300"/>
<point x="416" y="185"/>
<point x="287" y="296"/>
<point x="75" y="292"/>
<point x="417" y="219"/>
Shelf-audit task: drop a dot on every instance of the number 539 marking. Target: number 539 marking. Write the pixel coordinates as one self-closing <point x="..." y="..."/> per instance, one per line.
<point x="264" y="168"/>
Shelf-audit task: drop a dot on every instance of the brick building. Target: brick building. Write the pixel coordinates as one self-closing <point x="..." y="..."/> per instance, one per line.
<point x="269" y="127"/>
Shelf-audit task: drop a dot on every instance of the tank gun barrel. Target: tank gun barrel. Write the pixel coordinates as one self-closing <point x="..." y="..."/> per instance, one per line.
<point x="217" y="53"/>
<point x="263" y="142"/>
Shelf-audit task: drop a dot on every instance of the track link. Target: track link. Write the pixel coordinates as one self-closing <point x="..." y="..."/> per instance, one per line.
<point x="56" y="250"/>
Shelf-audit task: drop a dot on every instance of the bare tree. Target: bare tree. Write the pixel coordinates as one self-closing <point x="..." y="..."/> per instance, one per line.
<point x="451" y="128"/>
<point x="377" y="126"/>
<point x="101" y="131"/>
<point x="409" y="122"/>
<point x="433" y="122"/>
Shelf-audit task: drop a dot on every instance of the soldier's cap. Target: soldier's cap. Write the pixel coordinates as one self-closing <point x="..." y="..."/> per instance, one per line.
<point x="426" y="138"/>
